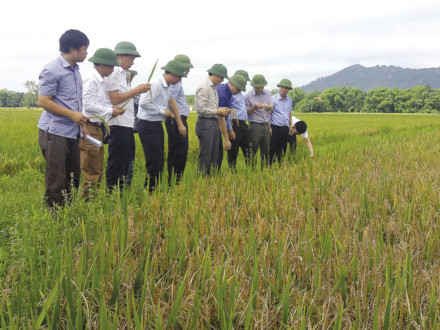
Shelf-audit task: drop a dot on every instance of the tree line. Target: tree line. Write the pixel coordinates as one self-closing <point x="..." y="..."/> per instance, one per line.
<point x="423" y="99"/>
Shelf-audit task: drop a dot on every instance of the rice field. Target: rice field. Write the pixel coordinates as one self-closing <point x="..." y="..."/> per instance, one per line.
<point x="347" y="240"/>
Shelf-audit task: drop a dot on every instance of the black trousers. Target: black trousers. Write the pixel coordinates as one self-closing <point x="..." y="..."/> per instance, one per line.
<point x="177" y="149"/>
<point x="62" y="169"/>
<point x="211" y="146"/>
<point x="278" y="142"/>
<point x="291" y="141"/>
<point x="241" y="130"/>
<point x="152" y="138"/>
<point x="120" y="149"/>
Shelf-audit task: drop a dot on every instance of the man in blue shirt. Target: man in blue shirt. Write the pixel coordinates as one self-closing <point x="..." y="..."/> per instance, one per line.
<point x="153" y="110"/>
<point x="239" y="126"/>
<point x="177" y="142"/>
<point x="280" y="121"/>
<point x="236" y="84"/>
<point x="60" y="95"/>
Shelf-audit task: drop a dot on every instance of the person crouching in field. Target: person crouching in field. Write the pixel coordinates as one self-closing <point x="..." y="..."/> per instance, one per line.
<point x="299" y="127"/>
<point x="211" y="122"/>
<point x="239" y="125"/>
<point x="121" y="142"/>
<point x="60" y="95"/>
<point x="225" y="92"/>
<point x="96" y="103"/>
<point x="153" y="110"/>
<point x="177" y="142"/>
<point x="280" y="121"/>
<point x="259" y="106"/>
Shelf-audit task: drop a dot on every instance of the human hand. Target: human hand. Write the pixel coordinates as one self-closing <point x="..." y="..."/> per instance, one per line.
<point x="232" y="135"/>
<point x="182" y="129"/>
<point x="78" y="118"/>
<point x="117" y="111"/>
<point x="168" y="114"/>
<point x="227" y="145"/>
<point x="143" y="88"/>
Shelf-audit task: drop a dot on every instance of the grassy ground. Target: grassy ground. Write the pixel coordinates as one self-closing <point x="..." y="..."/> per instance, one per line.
<point x="350" y="239"/>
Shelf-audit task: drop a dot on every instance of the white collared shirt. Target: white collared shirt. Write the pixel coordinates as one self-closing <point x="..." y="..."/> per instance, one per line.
<point x="152" y="104"/>
<point x="117" y="81"/>
<point x="96" y="101"/>
<point x="206" y="99"/>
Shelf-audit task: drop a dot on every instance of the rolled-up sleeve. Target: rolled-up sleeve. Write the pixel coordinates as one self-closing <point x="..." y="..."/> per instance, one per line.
<point x="150" y="102"/>
<point x="92" y="106"/>
<point x="48" y="82"/>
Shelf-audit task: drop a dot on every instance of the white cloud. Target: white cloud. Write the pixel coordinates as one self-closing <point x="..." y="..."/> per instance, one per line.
<point x="301" y="41"/>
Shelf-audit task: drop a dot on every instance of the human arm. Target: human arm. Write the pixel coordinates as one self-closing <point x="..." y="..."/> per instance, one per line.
<point x="224" y="131"/>
<point x="309" y="146"/>
<point x="93" y="105"/>
<point x="118" y="97"/>
<point x="175" y="111"/>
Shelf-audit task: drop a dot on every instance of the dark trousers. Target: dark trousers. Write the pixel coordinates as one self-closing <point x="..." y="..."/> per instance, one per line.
<point x="131" y="163"/>
<point x="259" y="138"/>
<point x="241" y="130"/>
<point x="120" y="149"/>
<point x="211" y="146"/>
<point x="152" y="138"/>
<point x="278" y="142"/>
<point x="62" y="169"/>
<point x="177" y="149"/>
<point x="291" y="141"/>
<point x="42" y="141"/>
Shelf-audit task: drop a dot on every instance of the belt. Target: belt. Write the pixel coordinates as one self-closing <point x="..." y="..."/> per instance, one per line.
<point x="255" y="123"/>
<point x="209" y="118"/>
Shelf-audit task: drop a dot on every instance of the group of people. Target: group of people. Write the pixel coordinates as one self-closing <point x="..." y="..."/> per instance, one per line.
<point x="78" y="117"/>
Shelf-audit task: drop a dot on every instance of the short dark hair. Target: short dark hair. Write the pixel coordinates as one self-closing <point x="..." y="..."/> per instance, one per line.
<point x="73" y="39"/>
<point x="300" y="126"/>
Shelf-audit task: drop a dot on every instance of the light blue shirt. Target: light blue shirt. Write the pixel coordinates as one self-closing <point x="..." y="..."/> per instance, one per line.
<point x="63" y="83"/>
<point x="152" y="104"/>
<point x="43" y="122"/>
<point x="259" y="115"/>
<point x="238" y="103"/>
<point x="282" y="109"/>
<point x="176" y="92"/>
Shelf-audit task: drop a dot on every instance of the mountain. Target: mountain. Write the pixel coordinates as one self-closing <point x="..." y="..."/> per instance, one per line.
<point x="367" y="78"/>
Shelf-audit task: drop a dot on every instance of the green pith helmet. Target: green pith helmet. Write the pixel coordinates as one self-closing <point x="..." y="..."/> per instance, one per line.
<point x="126" y="48"/>
<point x="219" y="70"/>
<point x="238" y="81"/>
<point x="184" y="59"/>
<point x="258" y="81"/>
<point x="104" y="56"/>
<point x="285" y="83"/>
<point x="176" y="68"/>
<point x="244" y="74"/>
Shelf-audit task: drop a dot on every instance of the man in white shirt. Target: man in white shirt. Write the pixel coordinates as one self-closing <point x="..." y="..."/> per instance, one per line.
<point x="96" y="102"/>
<point x="299" y="127"/>
<point x="121" y="142"/>
<point x="153" y="110"/>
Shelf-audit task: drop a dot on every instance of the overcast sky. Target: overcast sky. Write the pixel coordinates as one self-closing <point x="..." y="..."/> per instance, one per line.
<point x="299" y="40"/>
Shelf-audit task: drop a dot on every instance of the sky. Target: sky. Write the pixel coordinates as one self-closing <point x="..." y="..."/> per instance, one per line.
<point x="301" y="41"/>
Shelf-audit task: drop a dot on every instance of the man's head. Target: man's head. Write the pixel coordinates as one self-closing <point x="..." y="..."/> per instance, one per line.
<point x="258" y="82"/>
<point x="185" y="60"/>
<point x="126" y="52"/>
<point x="300" y="127"/>
<point x="285" y="86"/>
<point x="217" y="73"/>
<point x="105" y="60"/>
<point x="237" y="84"/>
<point x="174" y="71"/>
<point x="74" y="44"/>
